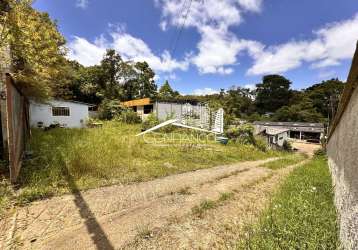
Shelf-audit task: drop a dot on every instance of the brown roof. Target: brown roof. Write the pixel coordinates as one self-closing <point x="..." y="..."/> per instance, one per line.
<point x="138" y="102"/>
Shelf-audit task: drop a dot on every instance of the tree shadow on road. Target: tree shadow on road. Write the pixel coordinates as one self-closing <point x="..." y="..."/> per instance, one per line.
<point x="96" y="232"/>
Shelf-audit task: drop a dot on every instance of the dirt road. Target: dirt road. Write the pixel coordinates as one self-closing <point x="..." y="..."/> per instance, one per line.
<point x="306" y="148"/>
<point x="156" y="214"/>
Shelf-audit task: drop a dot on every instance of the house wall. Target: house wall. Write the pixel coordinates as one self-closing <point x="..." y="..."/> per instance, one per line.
<point x="342" y="150"/>
<point x="281" y="138"/>
<point x="166" y="110"/>
<point x="40" y="112"/>
<point x="278" y="139"/>
<point x="140" y="112"/>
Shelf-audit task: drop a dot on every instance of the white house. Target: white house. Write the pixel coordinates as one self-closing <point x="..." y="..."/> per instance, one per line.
<point x="68" y="114"/>
<point x="276" y="137"/>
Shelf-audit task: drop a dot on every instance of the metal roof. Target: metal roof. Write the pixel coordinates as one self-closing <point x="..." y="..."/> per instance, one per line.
<point x="276" y="131"/>
<point x="48" y="102"/>
<point x="290" y="124"/>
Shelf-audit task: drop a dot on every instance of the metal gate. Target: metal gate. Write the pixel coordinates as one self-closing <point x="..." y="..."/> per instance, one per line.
<point x="15" y="125"/>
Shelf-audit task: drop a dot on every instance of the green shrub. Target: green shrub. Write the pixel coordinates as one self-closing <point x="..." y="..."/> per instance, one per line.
<point x="287" y="146"/>
<point x="150" y="121"/>
<point x="320" y="152"/>
<point x="92" y="122"/>
<point x="128" y="116"/>
<point x="261" y="144"/>
<point x="109" y="109"/>
<point x="243" y="134"/>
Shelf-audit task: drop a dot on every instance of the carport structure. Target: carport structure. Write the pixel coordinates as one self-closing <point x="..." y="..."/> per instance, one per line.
<point x="297" y="130"/>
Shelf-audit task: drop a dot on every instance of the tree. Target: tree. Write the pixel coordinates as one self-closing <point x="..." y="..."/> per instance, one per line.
<point x="144" y="81"/>
<point x="301" y="112"/>
<point x="166" y="92"/>
<point x="111" y="66"/>
<point x="36" y="48"/>
<point x="273" y="93"/>
<point x="238" y="102"/>
<point x="89" y="84"/>
<point x="325" y="96"/>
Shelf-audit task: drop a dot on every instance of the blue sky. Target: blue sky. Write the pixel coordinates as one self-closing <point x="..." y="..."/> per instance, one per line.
<point x="222" y="43"/>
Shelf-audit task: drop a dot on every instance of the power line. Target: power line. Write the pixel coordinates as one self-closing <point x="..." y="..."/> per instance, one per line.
<point x="175" y="33"/>
<point x="182" y="27"/>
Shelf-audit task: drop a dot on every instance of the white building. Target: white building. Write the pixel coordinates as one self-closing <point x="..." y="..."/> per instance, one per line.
<point x="276" y="137"/>
<point x="68" y="114"/>
<point x="197" y="115"/>
<point x="310" y="132"/>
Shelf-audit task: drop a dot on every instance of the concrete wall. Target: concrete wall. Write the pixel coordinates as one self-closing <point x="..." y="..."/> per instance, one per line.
<point x="167" y="110"/>
<point x="342" y="150"/>
<point x="40" y="112"/>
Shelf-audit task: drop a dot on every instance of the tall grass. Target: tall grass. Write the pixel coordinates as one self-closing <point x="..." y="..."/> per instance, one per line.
<point x="301" y="215"/>
<point x="112" y="154"/>
<point x="287" y="160"/>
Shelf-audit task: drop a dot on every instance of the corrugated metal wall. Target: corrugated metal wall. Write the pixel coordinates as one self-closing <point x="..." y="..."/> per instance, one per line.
<point x="17" y="127"/>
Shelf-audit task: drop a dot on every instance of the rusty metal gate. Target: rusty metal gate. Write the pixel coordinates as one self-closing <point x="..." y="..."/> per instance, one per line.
<point x="15" y="126"/>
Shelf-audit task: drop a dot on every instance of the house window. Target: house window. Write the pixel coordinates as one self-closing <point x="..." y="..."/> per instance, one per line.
<point x="148" y="109"/>
<point x="60" y="111"/>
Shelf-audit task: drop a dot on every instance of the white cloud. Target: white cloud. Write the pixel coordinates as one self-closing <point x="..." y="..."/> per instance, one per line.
<point x="325" y="63"/>
<point x="85" y="52"/>
<point x="83" y="4"/>
<point x="163" y="25"/>
<point x="250" y="86"/>
<point x="326" y="74"/>
<point x="332" y="44"/>
<point x="218" y="47"/>
<point x="156" y="78"/>
<point x="129" y="47"/>
<point x="205" y="91"/>
<point x="251" y="5"/>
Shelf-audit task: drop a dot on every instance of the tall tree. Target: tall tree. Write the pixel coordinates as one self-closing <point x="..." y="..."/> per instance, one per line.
<point x="89" y="84"/>
<point x="273" y="93"/>
<point x="36" y="48"/>
<point x="146" y="86"/>
<point x="166" y="92"/>
<point x="111" y="65"/>
<point x="238" y="102"/>
<point x="325" y="96"/>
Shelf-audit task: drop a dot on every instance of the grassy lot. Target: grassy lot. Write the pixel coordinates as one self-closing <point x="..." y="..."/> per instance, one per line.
<point x="301" y="214"/>
<point x="66" y="160"/>
<point x="286" y="161"/>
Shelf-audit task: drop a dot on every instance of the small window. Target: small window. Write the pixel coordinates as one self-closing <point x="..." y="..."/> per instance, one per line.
<point x="60" y="111"/>
<point x="148" y="109"/>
